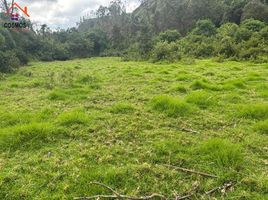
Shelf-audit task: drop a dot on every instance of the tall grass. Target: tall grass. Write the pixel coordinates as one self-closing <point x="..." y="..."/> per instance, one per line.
<point x="223" y="153"/>
<point x="202" y="99"/>
<point x="171" y="106"/>
<point x="75" y="117"/>
<point x="253" y="111"/>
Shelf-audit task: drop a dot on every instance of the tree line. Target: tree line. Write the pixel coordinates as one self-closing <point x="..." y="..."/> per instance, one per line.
<point x="157" y="30"/>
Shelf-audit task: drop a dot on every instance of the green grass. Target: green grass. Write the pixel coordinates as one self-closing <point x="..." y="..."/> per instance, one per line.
<point x="65" y="124"/>
<point x="123" y="108"/>
<point x="171" y="106"/>
<point x="202" y="99"/>
<point x="262" y="127"/>
<point x="75" y="117"/>
<point x="204" y="84"/>
<point x="253" y="111"/>
<point x="223" y="153"/>
<point x="29" y="136"/>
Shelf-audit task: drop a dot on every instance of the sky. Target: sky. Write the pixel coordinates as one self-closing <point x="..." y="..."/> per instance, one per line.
<point x="64" y="13"/>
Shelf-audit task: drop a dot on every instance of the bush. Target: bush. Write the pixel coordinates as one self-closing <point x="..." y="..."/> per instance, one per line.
<point x="253" y="25"/>
<point x="164" y="51"/>
<point x="60" y="53"/>
<point x="204" y="28"/>
<point x="169" y="36"/>
<point x="23" y="58"/>
<point x="226" y="47"/>
<point x="8" y="61"/>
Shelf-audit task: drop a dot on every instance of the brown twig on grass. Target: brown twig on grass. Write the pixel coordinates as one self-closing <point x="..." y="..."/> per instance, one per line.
<point x="189" y="130"/>
<point x="117" y="195"/>
<point x="223" y="188"/>
<point x="191" y="171"/>
<point x="190" y="193"/>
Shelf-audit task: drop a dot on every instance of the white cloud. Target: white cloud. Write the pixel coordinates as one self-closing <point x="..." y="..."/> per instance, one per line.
<point x="64" y="13"/>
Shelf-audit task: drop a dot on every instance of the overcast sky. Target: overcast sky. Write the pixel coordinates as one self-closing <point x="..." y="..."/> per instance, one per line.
<point x="64" y="13"/>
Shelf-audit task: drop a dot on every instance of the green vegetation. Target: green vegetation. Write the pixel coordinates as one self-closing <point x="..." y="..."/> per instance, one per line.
<point x="223" y="153"/>
<point x="254" y="111"/>
<point x="158" y="30"/>
<point x="171" y="106"/>
<point x="65" y="124"/>
<point x="262" y="127"/>
<point x="201" y="98"/>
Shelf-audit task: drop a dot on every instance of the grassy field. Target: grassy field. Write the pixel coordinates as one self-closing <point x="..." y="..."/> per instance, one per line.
<point x="66" y="124"/>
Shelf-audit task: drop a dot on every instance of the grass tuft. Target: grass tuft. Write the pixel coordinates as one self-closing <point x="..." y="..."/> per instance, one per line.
<point x="68" y="94"/>
<point x="204" y="84"/>
<point x="75" y="117"/>
<point x="262" y="127"/>
<point x="32" y="135"/>
<point x="171" y="106"/>
<point x="223" y="153"/>
<point x="237" y="83"/>
<point x="181" y="89"/>
<point x="57" y="95"/>
<point x="253" y="111"/>
<point x="202" y="99"/>
<point x="122" y="108"/>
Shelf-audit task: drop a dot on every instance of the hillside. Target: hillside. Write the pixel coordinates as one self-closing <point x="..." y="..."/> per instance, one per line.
<point x="182" y="15"/>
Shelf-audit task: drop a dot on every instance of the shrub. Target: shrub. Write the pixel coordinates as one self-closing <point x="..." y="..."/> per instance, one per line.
<point x="169" y="36"/>
<point x="61" y="53"/>
<point x="171" y="106"/>
<point x="8" y="61"/>
<point x="226" y="47"/>
<point x="253" y="25"/>
<point x="23" y="58"/>
<point x="223" y="153"/>
<point x="204" y="27"/>
<point x="205" y="49"/>
<point x="165" y="52"/>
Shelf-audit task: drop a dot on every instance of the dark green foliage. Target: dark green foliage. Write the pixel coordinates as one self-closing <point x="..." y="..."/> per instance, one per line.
<point x="204" y="28"/>
<point x="165" y="51"/>
<point x="8" y="61"/>
<point x="253" y="25"/>
<point x="169" y="36"/>
<point x="159" y="30"/>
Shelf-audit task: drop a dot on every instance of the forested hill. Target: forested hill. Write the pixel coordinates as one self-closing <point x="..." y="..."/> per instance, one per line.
<point x="182" y="15"/>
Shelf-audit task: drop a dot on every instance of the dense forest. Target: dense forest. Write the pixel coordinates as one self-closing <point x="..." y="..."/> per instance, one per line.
<point x="158" y="30"/>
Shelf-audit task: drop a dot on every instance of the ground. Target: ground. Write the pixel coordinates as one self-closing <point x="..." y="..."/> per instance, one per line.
<point x="66" y="124"/>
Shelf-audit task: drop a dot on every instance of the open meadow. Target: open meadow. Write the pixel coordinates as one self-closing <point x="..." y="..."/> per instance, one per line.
<point x="66" y="124"/>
